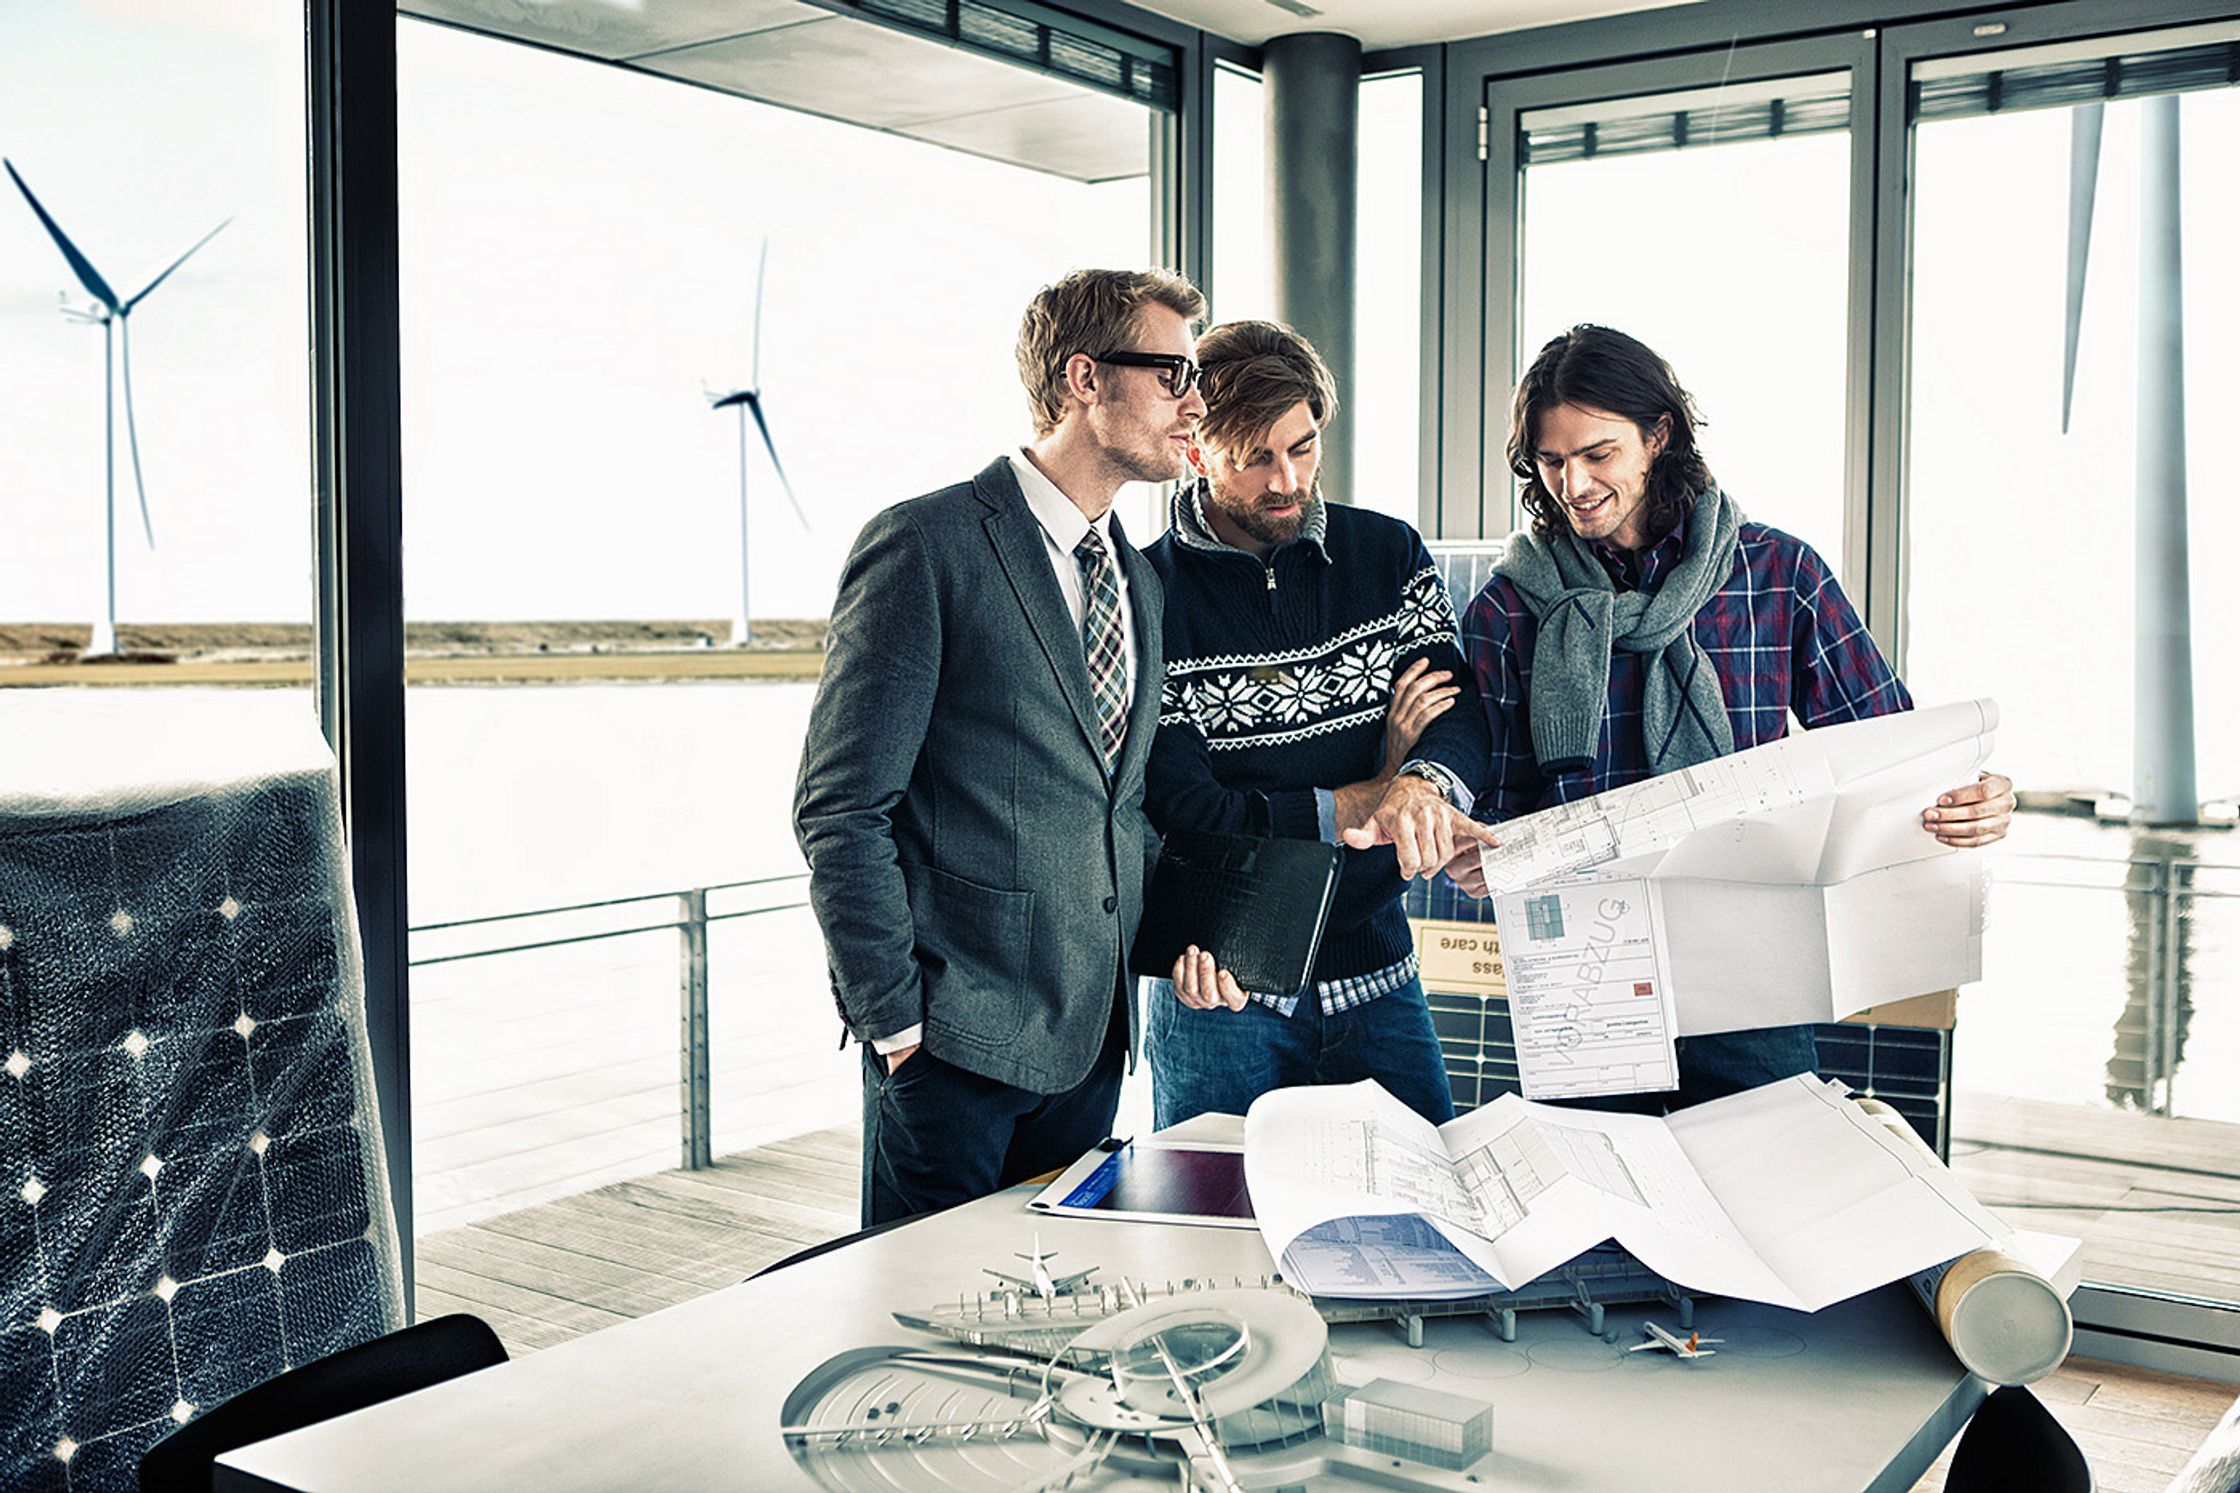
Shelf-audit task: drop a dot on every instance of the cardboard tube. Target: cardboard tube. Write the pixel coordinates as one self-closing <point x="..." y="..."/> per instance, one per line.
<point x="2005" y="1321"/>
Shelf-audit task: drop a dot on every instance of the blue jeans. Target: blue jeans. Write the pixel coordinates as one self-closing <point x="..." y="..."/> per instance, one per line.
<point x="1219" y="1061"/>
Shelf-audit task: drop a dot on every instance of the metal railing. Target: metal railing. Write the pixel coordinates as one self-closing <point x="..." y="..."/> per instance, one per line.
<point x="2160" y="894"/>
<point x="695" y="1082"/>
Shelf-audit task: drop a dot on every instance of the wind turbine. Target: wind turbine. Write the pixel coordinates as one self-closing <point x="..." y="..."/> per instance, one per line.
<point x="2150" y="1032"/>
<point x="113" y="316"/>
<point x="2163" y="786"/>
<point x="749" y="401"/>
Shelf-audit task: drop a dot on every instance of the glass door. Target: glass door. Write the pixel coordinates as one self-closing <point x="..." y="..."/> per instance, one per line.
<point x="1714" y="222"/>
<point x="2070" y="225"/>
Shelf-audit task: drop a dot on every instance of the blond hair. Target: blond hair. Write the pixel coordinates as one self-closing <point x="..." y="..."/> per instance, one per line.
<point x="1252" y="373"/>
<point x="1090" y="311"/>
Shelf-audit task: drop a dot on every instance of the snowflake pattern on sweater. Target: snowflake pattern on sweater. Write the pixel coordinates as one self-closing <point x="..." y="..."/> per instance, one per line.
<point x="1239" y="701"/>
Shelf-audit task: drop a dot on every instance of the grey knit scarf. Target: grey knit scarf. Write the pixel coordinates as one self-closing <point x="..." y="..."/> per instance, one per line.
<point x="1582" y="616"/>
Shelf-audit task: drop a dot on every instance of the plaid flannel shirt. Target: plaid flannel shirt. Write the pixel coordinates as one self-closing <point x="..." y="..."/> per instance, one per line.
<point x="1780" y="633"/>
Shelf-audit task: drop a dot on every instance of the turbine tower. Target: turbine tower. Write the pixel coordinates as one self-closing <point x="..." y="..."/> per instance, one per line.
<point x="113" y="316"/>
<point x="2163" y="789"/>
<point x="749" y="401"/>
<point x="2151" y="1030"/>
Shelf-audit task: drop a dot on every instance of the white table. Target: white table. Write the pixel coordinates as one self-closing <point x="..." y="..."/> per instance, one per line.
<point x="1861" y="1396"/>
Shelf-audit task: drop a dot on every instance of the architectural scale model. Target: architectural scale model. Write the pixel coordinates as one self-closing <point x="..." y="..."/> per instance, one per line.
<point x="1217" y="1384"/>
<point x="1020" y="1317"/>
<point x="1213" y="1390"/>
<point x="1688" y="1349"/>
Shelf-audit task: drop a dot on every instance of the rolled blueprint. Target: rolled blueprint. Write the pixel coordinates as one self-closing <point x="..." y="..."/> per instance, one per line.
<point x="2005" y="1321"/>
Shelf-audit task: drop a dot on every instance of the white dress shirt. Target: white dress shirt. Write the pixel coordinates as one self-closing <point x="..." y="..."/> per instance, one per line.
<point x="1063" y="524"/>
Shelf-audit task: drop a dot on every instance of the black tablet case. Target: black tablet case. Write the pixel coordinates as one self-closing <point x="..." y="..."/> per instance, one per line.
<point x="1256" y="905"/>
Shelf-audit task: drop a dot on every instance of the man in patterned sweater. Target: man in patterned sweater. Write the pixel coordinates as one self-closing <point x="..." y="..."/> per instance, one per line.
<point x="1312" y="678"/>
<point x="1642" y="625"/>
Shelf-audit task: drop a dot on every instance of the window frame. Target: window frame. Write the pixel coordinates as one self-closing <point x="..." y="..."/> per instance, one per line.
<point x="1473" y="310"/>
<point x="357" y="490"/>
<point x="1474" y="457"/>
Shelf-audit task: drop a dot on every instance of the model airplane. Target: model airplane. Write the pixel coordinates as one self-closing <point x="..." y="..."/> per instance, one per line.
<point x="1041" y="1282"/>
<point x="1690" y="1347"/>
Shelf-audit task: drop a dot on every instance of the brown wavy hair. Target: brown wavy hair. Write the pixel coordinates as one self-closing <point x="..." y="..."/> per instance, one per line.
<point x="1255" y="371"/>
<point x="1089" y="311"/>
<point x="1601" y="369"/>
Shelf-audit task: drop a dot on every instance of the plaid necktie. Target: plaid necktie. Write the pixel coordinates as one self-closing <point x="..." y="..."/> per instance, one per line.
<point x="1101" y="642"/>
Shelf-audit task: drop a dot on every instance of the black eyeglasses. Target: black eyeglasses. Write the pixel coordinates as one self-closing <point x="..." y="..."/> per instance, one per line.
<point x="1181" y="373"/>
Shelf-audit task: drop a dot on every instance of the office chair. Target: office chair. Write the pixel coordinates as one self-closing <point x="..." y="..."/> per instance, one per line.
<point x="2014" y="1445"/>
<point x="393" y="1364"/>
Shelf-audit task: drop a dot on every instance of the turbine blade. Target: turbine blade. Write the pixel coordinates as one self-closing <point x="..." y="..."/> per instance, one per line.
<point x="2085" y="122"/>
<point x="754" y="403"/>
<point x="87" y="275"/>
<point x="182" y="259"/>
<point x="132" y="427"/>
<point x="761" y="268"/>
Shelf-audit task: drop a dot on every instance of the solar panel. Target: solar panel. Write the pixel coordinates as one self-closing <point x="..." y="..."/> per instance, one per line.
<point x="192" y="1195"/>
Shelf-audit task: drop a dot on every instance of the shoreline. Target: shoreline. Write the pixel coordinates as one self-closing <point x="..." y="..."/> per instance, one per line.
<point x="35" y="655"/>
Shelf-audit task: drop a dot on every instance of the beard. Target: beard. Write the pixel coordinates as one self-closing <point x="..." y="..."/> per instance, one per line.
<point x="1250" y="514"/>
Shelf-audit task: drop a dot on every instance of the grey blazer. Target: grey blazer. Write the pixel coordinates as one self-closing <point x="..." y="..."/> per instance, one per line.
<point x="971" y="864"/>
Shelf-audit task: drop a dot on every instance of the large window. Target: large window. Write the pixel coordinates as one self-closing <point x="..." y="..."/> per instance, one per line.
<point x="1243" y="267"/>
<point x="2070" y="225"/>
<point x="611" y="283"/>
<point x="154" y="453"/>
<point x="1388" y="300"/>
<point x="1714" y="224"/>
<point x="1953" y="298"/>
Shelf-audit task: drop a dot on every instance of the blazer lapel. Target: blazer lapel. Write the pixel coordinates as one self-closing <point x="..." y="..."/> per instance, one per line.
<point x="1146" y="603"/>
<point x="1025" y="558"/>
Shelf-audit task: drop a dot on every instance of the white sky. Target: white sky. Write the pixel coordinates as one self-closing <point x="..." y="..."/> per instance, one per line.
<point x="577" y="257"/>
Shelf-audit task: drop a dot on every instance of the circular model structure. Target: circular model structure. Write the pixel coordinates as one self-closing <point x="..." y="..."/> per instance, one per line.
<point x="1127" y="1396"/>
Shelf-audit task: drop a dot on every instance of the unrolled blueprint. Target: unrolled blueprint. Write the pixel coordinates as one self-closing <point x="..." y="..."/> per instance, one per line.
<point x="1788" y="1194"/>
<point x="1789" y="883"/>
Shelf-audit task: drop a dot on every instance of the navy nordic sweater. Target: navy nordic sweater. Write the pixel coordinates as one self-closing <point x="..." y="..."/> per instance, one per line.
<point x="1278" y="677"/>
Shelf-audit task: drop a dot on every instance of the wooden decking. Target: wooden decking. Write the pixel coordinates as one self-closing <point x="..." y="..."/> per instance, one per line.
<point x="2156" y="1201"/>
<point x="548" y="1273"/>
<point x="2136" y="1427"/>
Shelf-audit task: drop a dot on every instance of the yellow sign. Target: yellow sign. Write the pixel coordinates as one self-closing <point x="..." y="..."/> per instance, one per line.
<point x="1460" y="958"/>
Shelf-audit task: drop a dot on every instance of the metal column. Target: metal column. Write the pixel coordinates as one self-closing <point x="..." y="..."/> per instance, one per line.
<point x="1313" y="117"/>
<point x="694" y="1084"/>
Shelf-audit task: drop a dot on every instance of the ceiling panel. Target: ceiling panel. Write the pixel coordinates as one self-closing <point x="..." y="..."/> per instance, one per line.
<point x="1387" y="23"/>
<point x="611" y="29"/>
<point x="857" y="71"/>
<point x="1089" y="137"/>
<point x="802" y="56"/>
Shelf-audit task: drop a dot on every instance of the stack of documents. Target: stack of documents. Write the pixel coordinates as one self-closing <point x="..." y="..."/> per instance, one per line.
<point x="1788" y="1194"/>
<point x="1789" y="884"/>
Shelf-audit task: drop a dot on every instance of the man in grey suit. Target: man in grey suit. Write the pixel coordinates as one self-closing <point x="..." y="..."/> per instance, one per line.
<point x="971" y="791"/>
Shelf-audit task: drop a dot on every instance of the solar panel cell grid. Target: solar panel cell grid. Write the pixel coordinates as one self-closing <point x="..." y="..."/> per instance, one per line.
<point x="191" y="1196"/>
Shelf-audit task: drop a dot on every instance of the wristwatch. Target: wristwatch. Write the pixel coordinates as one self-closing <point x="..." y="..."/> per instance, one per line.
<point x="1431" y="773"/>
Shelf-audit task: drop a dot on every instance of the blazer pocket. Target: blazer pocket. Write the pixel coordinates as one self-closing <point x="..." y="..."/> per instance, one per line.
<point x="973" y="946"/>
